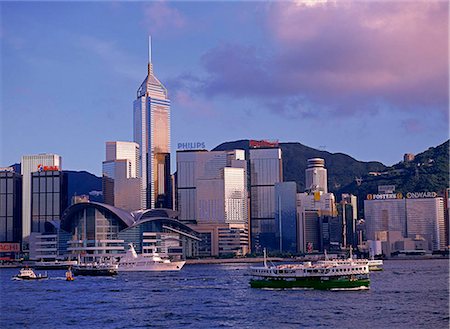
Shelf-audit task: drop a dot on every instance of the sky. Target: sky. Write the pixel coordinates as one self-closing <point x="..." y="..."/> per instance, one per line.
<point x="369" y="79"/>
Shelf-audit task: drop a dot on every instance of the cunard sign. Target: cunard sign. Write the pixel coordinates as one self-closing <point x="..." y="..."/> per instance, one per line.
<point x="420" y="195"/>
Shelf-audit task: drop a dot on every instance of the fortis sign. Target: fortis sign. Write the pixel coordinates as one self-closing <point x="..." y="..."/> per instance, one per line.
<point x="42" y="168"/>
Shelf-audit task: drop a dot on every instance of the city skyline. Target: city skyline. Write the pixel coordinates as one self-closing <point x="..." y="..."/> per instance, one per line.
<point x="369" y="80"/>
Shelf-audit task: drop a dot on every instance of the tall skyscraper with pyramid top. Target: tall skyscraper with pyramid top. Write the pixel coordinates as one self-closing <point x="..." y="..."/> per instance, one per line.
<point x="151" y="116"/>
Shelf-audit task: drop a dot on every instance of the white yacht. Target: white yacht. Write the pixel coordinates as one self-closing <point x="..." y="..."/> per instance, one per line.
<point x="132" y="262"/>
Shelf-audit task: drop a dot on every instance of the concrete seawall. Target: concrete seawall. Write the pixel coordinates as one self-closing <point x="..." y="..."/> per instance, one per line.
<point x="233" y="260"/>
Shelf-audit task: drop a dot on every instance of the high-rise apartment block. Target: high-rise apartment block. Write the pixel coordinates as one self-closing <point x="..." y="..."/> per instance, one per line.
<point x="120" y="175"/>
<point x="31" y="164"/>
<point x="266" y="170"/>
<point x="151" y="117"/>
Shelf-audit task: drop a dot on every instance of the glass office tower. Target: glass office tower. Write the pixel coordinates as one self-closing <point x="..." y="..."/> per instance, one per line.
<point x="286" y="216"/>
<point x="151" y="116"/>
<point x="265" y="171"/>
<point x="10" y="205"/>
<point x="49" y="198"/>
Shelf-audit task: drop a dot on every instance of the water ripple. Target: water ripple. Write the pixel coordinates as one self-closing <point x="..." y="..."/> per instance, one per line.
<point x="216" y="296"/>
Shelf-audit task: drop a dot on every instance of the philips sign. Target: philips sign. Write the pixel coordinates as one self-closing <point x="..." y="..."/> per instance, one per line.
<point x="191" y="146"/>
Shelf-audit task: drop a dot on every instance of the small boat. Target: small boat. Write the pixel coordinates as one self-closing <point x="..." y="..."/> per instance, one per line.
<point x="101" y="268"/>
<point x="28" y="274"/>
<point x="325" y="276"/>
<point x="69" y="275"/>
<point x="132" y="262"/>
<point x="54" y="265"/>
<point x="375" y="264"/>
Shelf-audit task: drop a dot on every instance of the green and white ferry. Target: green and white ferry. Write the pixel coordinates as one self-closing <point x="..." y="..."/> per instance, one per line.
<point x="374" y="264"/>
<point x="326" y="276"/>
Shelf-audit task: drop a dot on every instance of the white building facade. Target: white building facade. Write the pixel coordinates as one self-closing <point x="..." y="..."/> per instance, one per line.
<point x="30" y="164"/>
<point x="129" y="151"/>
<point x="413" y="217"/>
<point x="386" y="214"/>
<point x="425" y="217"/>
<point x="200" y="167"/>
<point x="316" y="176"/>
<point x="120" y="176"/>
<point x="212" y="197"/>
<point x="223" y="199"/>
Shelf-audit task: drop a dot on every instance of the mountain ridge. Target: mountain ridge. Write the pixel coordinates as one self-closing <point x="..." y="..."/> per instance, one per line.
<point x="427" y="172"/>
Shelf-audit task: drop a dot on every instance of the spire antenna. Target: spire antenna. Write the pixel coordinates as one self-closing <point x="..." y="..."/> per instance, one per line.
<point x="149" y="49"/>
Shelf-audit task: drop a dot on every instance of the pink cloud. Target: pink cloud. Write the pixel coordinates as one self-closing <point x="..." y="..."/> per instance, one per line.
<point x="398" y="51"/>
<point x="184" y="99"/>
<point x="159" y="17"/>
<point x="413" y="126"/>
<point x="340" y="57"/>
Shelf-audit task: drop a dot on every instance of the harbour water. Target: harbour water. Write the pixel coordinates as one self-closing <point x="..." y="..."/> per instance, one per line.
<point x="407" y="294"/>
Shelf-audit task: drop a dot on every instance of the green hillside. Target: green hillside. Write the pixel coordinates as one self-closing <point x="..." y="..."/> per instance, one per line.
<point x="429" y="171"/>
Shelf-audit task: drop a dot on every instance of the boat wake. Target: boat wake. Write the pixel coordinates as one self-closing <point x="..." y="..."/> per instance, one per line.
<point x="19" y="279"/>
<point x="350" y="289"/>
